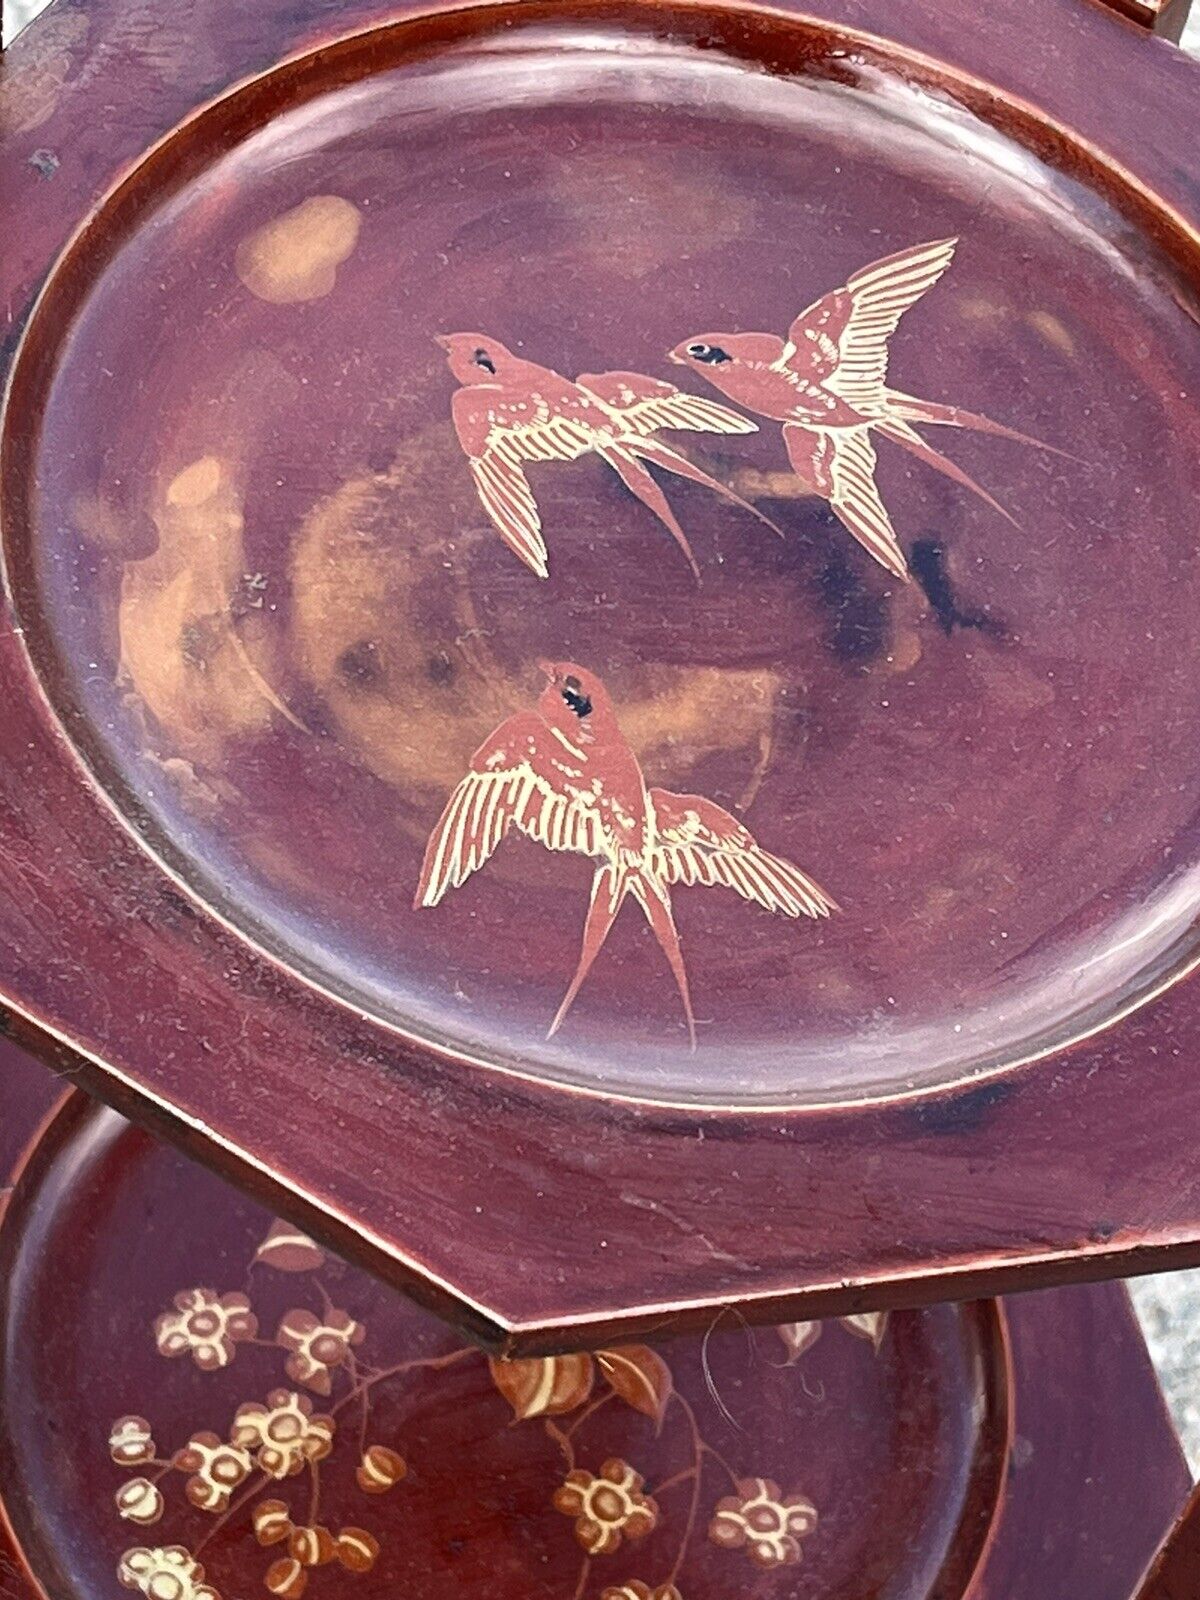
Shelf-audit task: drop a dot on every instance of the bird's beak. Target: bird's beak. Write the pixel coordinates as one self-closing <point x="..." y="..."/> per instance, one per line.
<point x="442" y="340"/>
<point x="673" y="355"/>
<point x="548" y="668"/>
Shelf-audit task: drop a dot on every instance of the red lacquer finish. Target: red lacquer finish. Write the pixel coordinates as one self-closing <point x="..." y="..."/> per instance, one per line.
<point x="1175" y="1571"/>
<point x="1165" y="17"/>
<point x="192" y="1388"/>
<point x="887" y="605"/>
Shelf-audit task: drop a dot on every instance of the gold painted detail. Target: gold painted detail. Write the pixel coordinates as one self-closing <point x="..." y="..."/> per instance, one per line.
<point x="268" y="1465"/>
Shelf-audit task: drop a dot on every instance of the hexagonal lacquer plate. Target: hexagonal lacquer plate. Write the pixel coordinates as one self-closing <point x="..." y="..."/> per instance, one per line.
<point x="601" y="621"/>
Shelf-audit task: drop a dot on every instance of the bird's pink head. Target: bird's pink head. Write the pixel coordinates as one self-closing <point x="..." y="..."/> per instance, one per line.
<point x="574" y="700"/>
<point x="704" y="351"/>
<point x="474" y="357"/>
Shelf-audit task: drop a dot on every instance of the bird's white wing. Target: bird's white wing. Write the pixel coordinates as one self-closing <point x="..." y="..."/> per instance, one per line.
<point x="499" y="438"/>
<point x="505" y="495"/>
<point x="840" y="465"/>
<point x="861" y="318"/>
<point x="641" y="406"/>
<point x="697" y="841"/>
<point x="519" y="778"/>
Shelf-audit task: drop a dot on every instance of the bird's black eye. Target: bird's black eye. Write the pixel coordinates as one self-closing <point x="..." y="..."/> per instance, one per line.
<point x="482" y="359"/>
<point x="572" y="693"/>
<point x="710" y="354"/>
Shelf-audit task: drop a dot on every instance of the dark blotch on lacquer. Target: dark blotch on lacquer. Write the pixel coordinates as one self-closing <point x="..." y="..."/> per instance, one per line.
<point x="928" y="564"/>
<point x="859" y="617"/>
<point x="360" y="663"/>
<point x="440" y="668"/>
<point x="961" y="1111"/>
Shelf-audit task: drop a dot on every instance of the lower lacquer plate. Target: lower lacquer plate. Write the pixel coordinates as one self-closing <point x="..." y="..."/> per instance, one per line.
<point x="199" y="1400"/>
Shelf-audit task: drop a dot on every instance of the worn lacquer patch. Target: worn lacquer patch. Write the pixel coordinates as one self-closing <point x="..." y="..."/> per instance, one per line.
<point x="296" y="257"/>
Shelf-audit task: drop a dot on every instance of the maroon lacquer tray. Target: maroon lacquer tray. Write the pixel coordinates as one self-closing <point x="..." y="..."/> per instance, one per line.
<point x="599" y="634"/>
<point x="199" y="1401"/>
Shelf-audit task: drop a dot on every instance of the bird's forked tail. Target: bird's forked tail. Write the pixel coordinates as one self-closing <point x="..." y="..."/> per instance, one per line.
<point x="610" y="886"/>
<point x="628" y="456"/>
<point x="909" y="409"/>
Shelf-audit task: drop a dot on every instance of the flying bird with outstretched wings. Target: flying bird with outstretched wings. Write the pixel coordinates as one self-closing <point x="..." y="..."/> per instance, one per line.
<point x="510" y="413"/>
<point x="827" y="384"/>
<point x="564" y="775"/>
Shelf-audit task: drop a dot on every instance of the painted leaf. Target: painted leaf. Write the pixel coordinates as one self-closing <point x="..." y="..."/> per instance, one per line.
<point x="545" y="1386"/>
<point x="288" y="1250"/>
<point x="870" y="1325"/>
<point x="798" y="1337"/>
<point x="639" y="1377"/>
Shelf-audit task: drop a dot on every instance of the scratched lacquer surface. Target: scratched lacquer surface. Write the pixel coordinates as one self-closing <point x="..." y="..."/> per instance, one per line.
<point x="295" y="563"/>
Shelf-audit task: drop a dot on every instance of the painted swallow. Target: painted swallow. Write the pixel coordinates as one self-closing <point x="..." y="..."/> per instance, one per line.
<point x="563" y="774"/>
<point x="827" y="383"/>
<point x="510" y="412"/>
